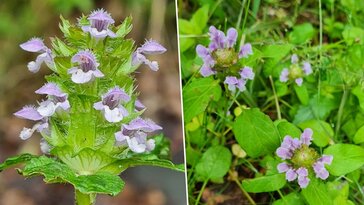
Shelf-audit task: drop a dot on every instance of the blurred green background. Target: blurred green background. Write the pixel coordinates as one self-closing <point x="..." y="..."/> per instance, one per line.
<point x="160" y="92"/>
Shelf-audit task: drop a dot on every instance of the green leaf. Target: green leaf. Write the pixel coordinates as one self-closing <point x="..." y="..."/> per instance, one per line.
<point x="359" y="136"/>
<point x="339" y="192"/>
<point x="347" y="158"/>
<point x="15" y="160"/>
<point x="55" y="172"/>
<point x="197" y="95"/>
<point x="290" y="199"/>
<point x="287" y="128"/>
<point x="200" y="18"/>
<point x="302" y="94"/>
<point x="316" y="193"/>
<point x="124" y="28"/>
<point x="265" y="183"/>
<point x="274" y="57"/>
<point x="353" y="34"/>
<point x="256" y="133"/>
<point x="322" y="131"/>
<point x="359" y="93"/>
<point x="301" y="33"/>
<point x="214" y="163"/>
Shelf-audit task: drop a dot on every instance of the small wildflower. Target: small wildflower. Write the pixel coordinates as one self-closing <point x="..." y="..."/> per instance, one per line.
<point x="100" y="21"/>
<point x="296" y="72"/>
<point x="239" y="83"/>
<point x="87" y="67"/>
<point x="36" y="45"/>
<point x="301" y="159"/>
<point x="139" y="105"/>
<point x="135" y="135"/>
<point x="111" y="104"/>
<point x="150" y="47"/>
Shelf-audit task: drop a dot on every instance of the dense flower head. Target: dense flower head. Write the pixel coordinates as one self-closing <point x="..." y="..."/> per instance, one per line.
<point x="100" y="20"/>
<point x="87" y="67"/>
<point x="220" y="55"/>
<point x="134" y="135"/>
<point x="36" y="45"/>
<point x="150" y="47"/>
<point x="301" y="159"/>
<point x="296" y="72"/>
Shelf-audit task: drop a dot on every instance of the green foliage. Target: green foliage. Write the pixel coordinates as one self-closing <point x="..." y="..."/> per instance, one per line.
<point x="264" y="183"/>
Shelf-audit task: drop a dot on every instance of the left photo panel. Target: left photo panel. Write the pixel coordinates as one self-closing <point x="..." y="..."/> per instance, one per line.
<point x="90" y="103"/>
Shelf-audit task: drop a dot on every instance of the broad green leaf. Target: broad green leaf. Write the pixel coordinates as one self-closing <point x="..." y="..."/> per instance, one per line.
<point x="322" y="131"/>
<point x="302" y="94"/>
<point x="339" y="192"/>
<point x="359" y="136"/>
<point x="287" y="128"/>
<point x="57" y="172"/>
<point x="197" y="95"/>
<point x="290" y="199"/>
<point x="256" y="133"/>
<point x="316" y="193"/>
<point x="200" y="18"/>
<point x="264" y="184"/>
<point x="347" y="158"/>
<point x="214" y="163"/>
<point x="353" y="34"/>
<point x="359" y="93"/>
<point x="186" y="27"/>
<point x="301" y="33"/>
<point x="15" y="160"/>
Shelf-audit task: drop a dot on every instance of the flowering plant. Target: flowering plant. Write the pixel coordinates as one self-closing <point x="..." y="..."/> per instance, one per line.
<point x="91" y="120"/>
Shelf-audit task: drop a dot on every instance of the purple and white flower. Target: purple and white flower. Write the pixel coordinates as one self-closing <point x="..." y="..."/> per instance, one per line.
<point x="150" y="47"/>
<point x="36" y="45"/>
<point x="135" y="135"/>
<point x="57" y="100"/>
<point x="220" y="52"/>
<point x="100" y="21"/>
<point x="111" y="104"/>
<point x="301" y="159"/>
<point x="234" y="82"/>
<point x="87" y="68"/>
<point x="296" y="72"/>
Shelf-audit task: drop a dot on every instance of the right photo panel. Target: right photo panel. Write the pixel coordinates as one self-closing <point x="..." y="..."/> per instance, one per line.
<point x="273" y="101"/>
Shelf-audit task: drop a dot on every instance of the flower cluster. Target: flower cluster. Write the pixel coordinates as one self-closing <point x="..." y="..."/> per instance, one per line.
<point x="301" y="159"/>
<point x="87" y="67"/>
<point x="296" y="72"/>
<point x="220" y="55"/>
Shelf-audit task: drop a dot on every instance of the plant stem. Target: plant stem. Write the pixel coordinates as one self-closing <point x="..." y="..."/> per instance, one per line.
<point x="340" y="112"/>
<point x="275" y="98"/>
<point x="84" y="199"/>
<point x="201" y="191"/>
<point x="246" y="194"/>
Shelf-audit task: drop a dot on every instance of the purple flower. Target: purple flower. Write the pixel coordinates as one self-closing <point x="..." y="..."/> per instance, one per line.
<point x="296" y="72"/>
<point x="135" y="135"/>
<point x="111" y="104"/>
<point x="100" y="21"/>
<point x="36" y="45"/>
<point x="150" y="47"/>
<point x="139" y="105"/>
<point x="220" y="53"/>
<point x="300" y="159"/>
<point x="86" y="69"/>
<point x="56" y="100"/>
<point x="245" y="50"/>
<point x="247" y="73"/>
<point x="235" y="83"/>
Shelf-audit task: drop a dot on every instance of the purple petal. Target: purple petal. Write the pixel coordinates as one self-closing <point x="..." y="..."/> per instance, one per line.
<point x="306" y="136"/>
<point x="326" y="159"/>
<point x="296" y="143"/>
<point x="302" y="172"/>
<point x="26" y="133"/>
<point x="291" y="175"/>
<point x="99" y="105"/>
<point x="33" y="45"/>
<point x="206" y="71"/>
<point x="303" y="181"/>
<point x="150" y="145"/>
<point x="287" y="142"/>
<point x="247" y="73"/>
<point x="81" y="77"/>
<point x="283" y="153"/>
<point x="294" y="59"/>
<point x="101" y="15"/>
<point x="29" y="112"/>
<point x="241" y="84"/>
<point x="142" y="125"/>
<point x="85" y="57"/>
<point x="245" y="50"/>
<point x="97" y="73"/>
<point x="307" y="68"/>
<point x="46" y="108"/>
<point x="284" y="75"/>
<point x="113" y="115"/>
<point x="152" y="48"/>
<point x="139" y="105"/>
<point x="232" y="35"/>
<point x="283" y="167"/>
<point x="50" y="89"/>
<point x="299" y="81"/>
<point x="202" y="51"/>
